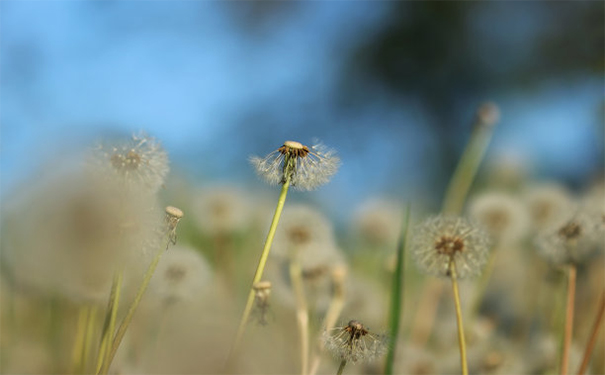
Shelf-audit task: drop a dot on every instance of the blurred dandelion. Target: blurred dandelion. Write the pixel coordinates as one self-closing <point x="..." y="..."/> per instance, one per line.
<point x="182" y="275"/>
<point x="354" y="343"/>
<point x="140" y="162"/>
<point x="442" y="240"/>
<point x="308" y="167"/>
<point x="546" y="203"/>
<point x="571" y="239"/>
<point x="504" y="217"/>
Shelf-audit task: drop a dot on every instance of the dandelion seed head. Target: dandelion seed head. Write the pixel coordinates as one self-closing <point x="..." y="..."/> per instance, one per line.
<point x="505" y="218"/>
<point x="442" y="240"/>
<point x="488" y="114"/>
<point x="182" y="275"/>
<point x="222" y="210"/>
<point x="378" y="221"/>
<point x="308" y="167"/>
<point x="139" y="163"/>
<point x="570" y="240"/>
<point x="354" y="343"/>
<point x="547" y="203"/>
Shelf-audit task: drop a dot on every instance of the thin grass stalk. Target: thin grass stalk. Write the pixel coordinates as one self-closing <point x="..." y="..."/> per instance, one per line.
<point x="334" y="309"/>
<point x="109" y="322"/>
<point x="90" y="325"/>
<point x="78" y="348"/>
<point x="341" y="368"/>
<point x="258" y="274"/>
<point x="593" y="336"/>
<point x="115" y="343"/>
<point x="397" y="294"/>
<point x="302" y="313"/>
<point x="569" y="312"/>
<point x="467" y="167"/>
<point x="461" y="341"/>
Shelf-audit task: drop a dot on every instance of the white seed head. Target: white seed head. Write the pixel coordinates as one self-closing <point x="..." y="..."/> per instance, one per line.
<point x="502" y="215"/>
<point x="379" y="222"/>
<point x="443" y="239"/>
<point x="222" y="210"/>
<point x="182" y="275"/>
<point x="547" y="203"/>
<point x="571" y="239"/>
<point x="307" y="167"/>
<point x="139" y="163"/>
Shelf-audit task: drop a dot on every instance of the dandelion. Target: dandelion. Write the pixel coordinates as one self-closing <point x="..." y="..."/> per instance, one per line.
<point x="182" y="275"/>
<point x="504" y="217"/>
<point x="379" y="222"/>
<point x="354" y="343"/>
<point x="444" y="240"/>
<point x="139" y="163"/>
<point x="307" y="167"/>
<point x="221" y="211"/>
<point x="547" y="203"/>
<point x="570" y="240"/>
<point x="173" y="216"/>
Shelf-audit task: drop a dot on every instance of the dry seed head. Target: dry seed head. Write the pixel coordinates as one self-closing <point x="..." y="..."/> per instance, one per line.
<point x="262" y="285"/>
<point x="173" y="216"/>
<point x="442" y="240"/>
<point x="354" y="342"/>
<point x="488" y="114"/>
<point x="307" y="167"/>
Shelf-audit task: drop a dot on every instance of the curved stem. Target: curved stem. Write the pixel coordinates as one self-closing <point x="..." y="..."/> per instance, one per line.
<point x="569" y="310"/>
<point x="260" y="269"/>
<point x="341" y="367"/>
<point x="461" y="342"/>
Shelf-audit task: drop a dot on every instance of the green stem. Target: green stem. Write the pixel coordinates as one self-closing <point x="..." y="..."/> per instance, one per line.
<point x="260" y="268"/>
<point x="302" y="313"/>
<point x="569" y="312"/>
<point x="110" y="320"/>
<point x="467" y="169"/>
<point x="341" y="367"/>
<point x="397" y="295"/>
<point x="113" y="348"/>
<point x="461" y="342"/>
<point x="78" y="349"/>
<point x="88" y="337"/>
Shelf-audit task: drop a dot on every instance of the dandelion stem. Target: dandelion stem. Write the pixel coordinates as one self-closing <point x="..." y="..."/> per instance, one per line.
<point x="593" y="336"/>
<point x="569" y="312"/>
<point x="302" y="313"/>
<point x="88" y="337"/>
<point x="467" y="169"/>
<point x="110" y="320"/>
<point x="461" y="341"/>
<point x="83" y="314"/>
<point x="397" y="294"/>
<point x="113" y="347"/>
<point x="334" y="310"/>
<point x="260" y="268"/>
<point x="341" y="367"/>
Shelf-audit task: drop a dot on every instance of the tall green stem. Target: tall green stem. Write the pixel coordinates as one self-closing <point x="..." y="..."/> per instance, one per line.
<point x="461" y="342"/>
<point x="397" y="294"/>
<point x="260" y="268"/>
<point x="569" y="312"/>
<point x="115" y="344"/>
<point x="341" y="368"/>
<point x="302" y="313"/>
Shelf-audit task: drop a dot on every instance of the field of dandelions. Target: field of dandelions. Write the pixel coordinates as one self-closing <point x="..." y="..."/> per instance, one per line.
<point x="111" y="267"/>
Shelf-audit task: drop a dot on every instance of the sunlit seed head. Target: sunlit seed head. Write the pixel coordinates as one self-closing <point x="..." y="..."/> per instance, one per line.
<point x="138" y="163"/>
<point x="442" y="240"/>
<point x="503" y="216"/>
<point x="354" y="343"/>
<point x="307" y="167"/>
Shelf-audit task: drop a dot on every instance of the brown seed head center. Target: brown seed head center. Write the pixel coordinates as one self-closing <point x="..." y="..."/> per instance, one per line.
<point x="299" y="235"/>
<point x="570" y="231"/>
<point x="356" y="329"/>
<point x="175" y="273"/>
<point x="498" y="220"/>
<point x="295" y="149"/>
<point x="449" y="245"/>
<point x="128" y="162"/>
